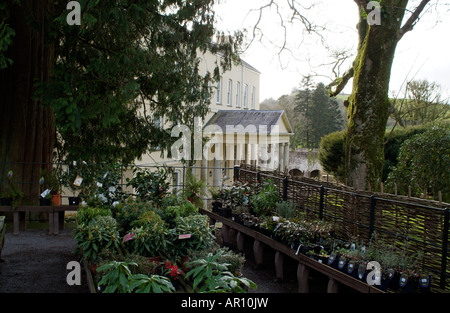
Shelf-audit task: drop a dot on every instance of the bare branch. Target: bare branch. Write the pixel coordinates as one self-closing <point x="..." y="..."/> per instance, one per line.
<point x="340" y="83"/>
<point x="413" y="19"/>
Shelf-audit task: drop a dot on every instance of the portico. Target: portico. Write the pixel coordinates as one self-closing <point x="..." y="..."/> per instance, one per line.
<point x="253" y="137"/>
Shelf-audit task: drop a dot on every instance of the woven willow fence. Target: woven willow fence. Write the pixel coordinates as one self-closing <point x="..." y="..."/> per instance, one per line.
<point x="421" y="225"/>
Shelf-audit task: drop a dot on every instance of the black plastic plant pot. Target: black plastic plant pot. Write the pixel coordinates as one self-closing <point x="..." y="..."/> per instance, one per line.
<point x="342" y="265"/>
<point x="45" y="202"/>
<point x="216" y="206"/>
<point x="225" y="212"/>
<point x="74" y="200"/>
<point x="352" y="269"/>
<point x="236" y="218"/>
<point x="361" y="272"/>
<point x="408" y="285"/>
<point x="424" y="284"/>
<point x="386" y="281"/>
<point x="333" y="261"/>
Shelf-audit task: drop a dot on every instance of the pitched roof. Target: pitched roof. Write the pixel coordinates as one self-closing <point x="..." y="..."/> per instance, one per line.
<point x="253" y="121"/>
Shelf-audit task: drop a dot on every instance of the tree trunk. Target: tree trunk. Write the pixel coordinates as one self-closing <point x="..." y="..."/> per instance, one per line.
<point x="27" y="129"/>
<point x="368" y="105"/>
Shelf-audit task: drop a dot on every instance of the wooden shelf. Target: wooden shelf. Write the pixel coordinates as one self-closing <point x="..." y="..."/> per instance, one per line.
<point x="305" y="263"/>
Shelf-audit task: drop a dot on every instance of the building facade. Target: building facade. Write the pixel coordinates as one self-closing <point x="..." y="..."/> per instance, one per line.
<point x="236" y="128"/>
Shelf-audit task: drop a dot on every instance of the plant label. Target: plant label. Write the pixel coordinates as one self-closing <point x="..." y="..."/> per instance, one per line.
<point x="77" y="182"/>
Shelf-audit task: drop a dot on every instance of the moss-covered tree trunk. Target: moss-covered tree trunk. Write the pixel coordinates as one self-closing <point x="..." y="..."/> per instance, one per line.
<point x="368" y="105"/>
<point x="27" y="130"/>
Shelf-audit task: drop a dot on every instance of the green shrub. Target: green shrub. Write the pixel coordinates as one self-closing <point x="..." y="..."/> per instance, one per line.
<point x="150" y="185"/>
<point x="131" y="212"/>
<point x="86" y="214"/>
<point x="264" y="201"/>
<point x="117" y="278"/>
<point x="423" y="164"/>
<point x="100" y="234"/>
<point x="332" y="149"/>
<point x="149" y="240"/>
<point x="147" y="219"/>
<point x="234" y="260"/>
<point x="201" y="234"/>
<point x="286" y="209"/>
<point x="105" y="222"/>
<point x="171" y="213"/>
<point x="332" y="154"/>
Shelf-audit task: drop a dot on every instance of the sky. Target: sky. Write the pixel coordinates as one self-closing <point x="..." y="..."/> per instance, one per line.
<point x="423" y="53"/>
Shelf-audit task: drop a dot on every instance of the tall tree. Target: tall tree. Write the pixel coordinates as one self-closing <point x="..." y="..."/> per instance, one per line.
<point x="368" y="105"/>
<point x="382" y="24"/>
<point x="319" y="113"/>
<point x="424" y="104"/>
<point x="27" y="129"/>
<point x="303" y="105"/>
<point x="104" y="84"/>
<point x="325" y="116"/>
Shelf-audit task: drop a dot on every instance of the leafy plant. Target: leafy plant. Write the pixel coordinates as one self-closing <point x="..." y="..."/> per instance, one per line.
<point x="237" y="194"/>
<point x="201" y="235"/>
<point x="194" y="189"/>
<point x="234" y="260"/>
<point x="420" y="163"/>
<point x="9" y="190"/>
<point x="86" y="214"/>
<point x="116" y="277"/>
<point x="265" y="201"/>
<point x="150" y="185"/>
<point x="131" y="211"/>
<point x="101" y="233"/>
<point x="286" y="209"/>
<point x="50" y="182"/>
<point x="210" y="275"/>
<point x="149" y="240"/>
<point x="141" y="283"/>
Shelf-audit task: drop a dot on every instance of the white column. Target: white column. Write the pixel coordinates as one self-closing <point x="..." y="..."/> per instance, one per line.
<point x="204" y="177"/>
<point x="286" y="156"/>
<point x="281" y="156"/>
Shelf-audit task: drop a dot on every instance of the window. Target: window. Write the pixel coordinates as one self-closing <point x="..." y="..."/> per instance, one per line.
<point x="245" y="95"/>
<point x="219" y="91"/>
<point x="176" y="181"/>
<point x="238" y="90"/>
<point x="230" y="84"/>
<point x="158" y="123"/>
<point x="253" y="97"/>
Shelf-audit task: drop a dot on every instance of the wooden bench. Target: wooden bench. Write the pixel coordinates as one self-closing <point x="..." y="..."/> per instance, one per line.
<point x="55" y="216"/>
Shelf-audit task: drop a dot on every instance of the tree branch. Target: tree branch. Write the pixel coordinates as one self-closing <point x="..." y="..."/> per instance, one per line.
<point x="340" y="82"/>
<point x="413" y="19"/>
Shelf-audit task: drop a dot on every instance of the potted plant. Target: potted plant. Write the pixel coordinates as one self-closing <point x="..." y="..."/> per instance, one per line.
<point x="409" y="279"/>
<point x="79" y="177"/>
<point x="265" y="201"/>
<point x="194" y="189"/>
<point x="150" y="185"/>
<point x="237" y="213"/>
<point x="49" y="181"/>
<point x="215" y="195"/>
<point x="10" y="194"/>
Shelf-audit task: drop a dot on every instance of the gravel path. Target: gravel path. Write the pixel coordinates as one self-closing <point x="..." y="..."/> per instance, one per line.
<point x="35" y="262"/>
